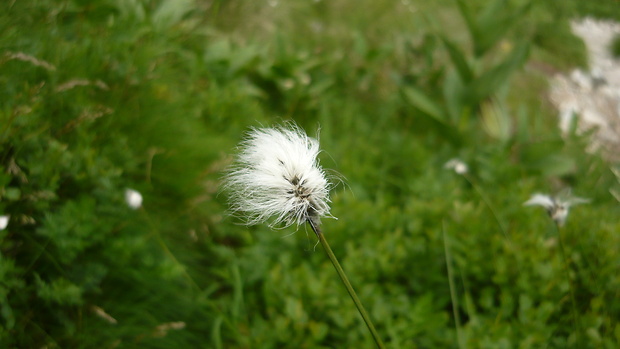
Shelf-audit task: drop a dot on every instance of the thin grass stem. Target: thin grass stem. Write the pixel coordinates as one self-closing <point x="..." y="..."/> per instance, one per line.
<point x="487" y="202"/>
<point x="315" y="227"/>
<point x="455" y="304"/>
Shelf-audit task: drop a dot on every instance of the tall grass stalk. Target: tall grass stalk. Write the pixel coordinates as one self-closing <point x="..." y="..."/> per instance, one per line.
<point x="453" y="297"/>
<point x="343" y="276"/>
<point x="487" y="203"/>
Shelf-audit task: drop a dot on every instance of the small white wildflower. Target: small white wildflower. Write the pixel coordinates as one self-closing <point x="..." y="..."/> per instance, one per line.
<point x="4" y="221"/>
<point x="133" y="198"/>
<point x="277" y="175"/>
<point x="557" y="207"/>
<point x="457" y="165"/>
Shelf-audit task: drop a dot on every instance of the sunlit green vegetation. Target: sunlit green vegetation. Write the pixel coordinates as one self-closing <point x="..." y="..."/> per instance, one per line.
<point x="101" y="96"/>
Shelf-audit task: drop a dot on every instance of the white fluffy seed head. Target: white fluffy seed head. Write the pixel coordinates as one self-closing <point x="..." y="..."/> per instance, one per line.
<point x="133" y="198"/>
<point x="543" y="200"/>
<point x="457" y="165"/>
<point x="277" y="175"/>
<point x="4" y="221"/>
<point x="557" y="207"/>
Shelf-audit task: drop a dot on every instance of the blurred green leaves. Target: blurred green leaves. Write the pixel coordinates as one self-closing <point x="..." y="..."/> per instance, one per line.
<point x="74" y="228"/>
<point x="417" y="98"/>
<point x="60" y="291"/>
<point x="491" y="24"/>
<point x="100" y="96"/>
<point x="471" y="89"/>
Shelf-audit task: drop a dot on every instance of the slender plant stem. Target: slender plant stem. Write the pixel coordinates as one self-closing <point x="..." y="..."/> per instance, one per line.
<point x="487" y="202"/>
<point x="576" y="320"/>
<point x="455" y="304"/>
<point x="347" y="284"/>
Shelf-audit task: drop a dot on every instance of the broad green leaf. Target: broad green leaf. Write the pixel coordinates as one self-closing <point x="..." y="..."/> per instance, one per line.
<point x="468" y="17"/>
<point x="459" y="60"/>
<point x="170" y="12"/>
<point x="243" y="58"/>
<point x="218" y="51"/>
<point x="490" y="13"/>
<point x="556" y="165"/>
<point x="421" y="101"/>
<point x="548" y="158"/>
<point x="492" y="80"/>
<point x="492" y="25"/>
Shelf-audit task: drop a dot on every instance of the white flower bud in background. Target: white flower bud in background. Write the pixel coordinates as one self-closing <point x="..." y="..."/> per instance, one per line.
<point x="4" y="221"/>
<point x="277" y="175"/>
<point x="457" y="165"/>
<point x="557" y="207"/>
<point x="133" y="198"/>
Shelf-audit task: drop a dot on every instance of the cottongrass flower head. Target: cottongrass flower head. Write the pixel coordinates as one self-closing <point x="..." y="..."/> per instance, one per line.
<point x="277" y="176"/>
<point x="133" y="198"/>
<point x="4" y="221"/>
<point x="557" y="207"/>
<point x="457" y="165"/>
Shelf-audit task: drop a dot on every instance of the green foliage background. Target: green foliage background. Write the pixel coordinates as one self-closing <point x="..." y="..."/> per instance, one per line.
<point x="101" y="96"/>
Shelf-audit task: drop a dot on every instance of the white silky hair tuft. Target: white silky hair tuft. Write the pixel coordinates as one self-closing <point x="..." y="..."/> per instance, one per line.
<point x="543" y="200"/>
<point x="277" y="176"/>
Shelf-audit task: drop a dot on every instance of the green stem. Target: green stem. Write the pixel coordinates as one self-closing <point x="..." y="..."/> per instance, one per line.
<point x="455" y="304"/>
<point x="487" y="202"/>
<point x="576" y="320"/>
<point x="347" y="284"/>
